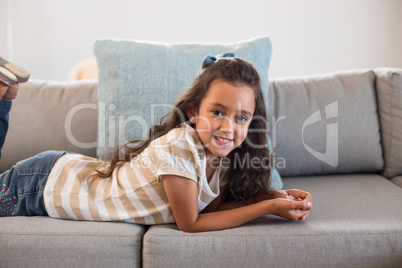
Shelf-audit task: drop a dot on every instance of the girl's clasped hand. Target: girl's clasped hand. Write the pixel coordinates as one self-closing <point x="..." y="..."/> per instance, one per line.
<point x="294" y="213"/>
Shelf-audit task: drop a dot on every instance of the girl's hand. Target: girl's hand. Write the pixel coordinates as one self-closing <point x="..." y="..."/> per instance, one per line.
<point x="298" y="194"/>
<point x="291" y="209"/>
<point x="284" y="193"/>
<point x="291" y="195"/>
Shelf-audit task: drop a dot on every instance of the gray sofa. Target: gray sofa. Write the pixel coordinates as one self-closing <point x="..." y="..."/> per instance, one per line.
<point x="338" y="136"/>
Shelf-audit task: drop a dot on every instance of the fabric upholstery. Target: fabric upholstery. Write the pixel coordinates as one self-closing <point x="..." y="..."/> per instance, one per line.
<point x="326" y="124"/>
<point x="46" y="242"/>
<point x="355" y="222"/>
<point x="50" y="115"/>
<point x="389" y="92"/>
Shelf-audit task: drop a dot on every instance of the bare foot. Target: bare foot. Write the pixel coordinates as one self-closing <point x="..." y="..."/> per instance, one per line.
<point x="8" y="92"/>
<point x="3" y="89"/>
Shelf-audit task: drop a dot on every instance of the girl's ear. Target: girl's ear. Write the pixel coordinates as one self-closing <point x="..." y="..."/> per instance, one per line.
<point x="191" y="114"/>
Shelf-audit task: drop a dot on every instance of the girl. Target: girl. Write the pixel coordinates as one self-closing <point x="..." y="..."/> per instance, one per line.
<point x="205" y="168"/>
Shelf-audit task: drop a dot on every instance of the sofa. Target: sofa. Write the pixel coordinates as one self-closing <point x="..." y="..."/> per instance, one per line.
<point x="337" y="136"/>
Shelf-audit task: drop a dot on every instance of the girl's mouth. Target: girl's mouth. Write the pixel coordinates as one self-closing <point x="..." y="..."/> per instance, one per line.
<point x="223" y="142"/>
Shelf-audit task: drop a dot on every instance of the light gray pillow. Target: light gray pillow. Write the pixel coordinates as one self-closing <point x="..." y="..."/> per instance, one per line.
<point x="139" y="81"/>
<point x="389" y="92"/>
<point x="326" y="124"/>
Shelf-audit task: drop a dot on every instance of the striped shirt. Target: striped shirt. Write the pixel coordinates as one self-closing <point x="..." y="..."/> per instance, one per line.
<point x="134" y="192"/>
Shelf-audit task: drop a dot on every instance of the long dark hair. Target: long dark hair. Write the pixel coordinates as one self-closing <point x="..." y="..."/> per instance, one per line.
<point x="245" y="180"/>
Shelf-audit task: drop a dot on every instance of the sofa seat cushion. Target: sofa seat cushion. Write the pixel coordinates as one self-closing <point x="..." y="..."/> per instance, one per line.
<point x="355" y="222"/>
<point x="47" y="242"/>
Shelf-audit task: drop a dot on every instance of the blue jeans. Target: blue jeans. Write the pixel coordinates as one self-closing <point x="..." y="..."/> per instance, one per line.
<point x="5" y="107"/>
<point x="21" y="187"/>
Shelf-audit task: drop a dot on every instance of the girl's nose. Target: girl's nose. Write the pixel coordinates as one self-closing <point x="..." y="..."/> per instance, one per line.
<point x="227" y="125"/>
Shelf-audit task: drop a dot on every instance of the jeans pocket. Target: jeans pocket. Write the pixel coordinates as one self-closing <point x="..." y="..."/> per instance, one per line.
<point x="40" y="164"/>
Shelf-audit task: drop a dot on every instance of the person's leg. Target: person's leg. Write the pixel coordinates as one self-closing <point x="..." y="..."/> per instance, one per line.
<point x="21" y="187"/>
<point x="7" y="94"/>
<point x="5" y="107"/>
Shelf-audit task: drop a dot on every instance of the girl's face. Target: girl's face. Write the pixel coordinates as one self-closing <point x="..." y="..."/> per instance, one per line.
<point x="224" y="117"/>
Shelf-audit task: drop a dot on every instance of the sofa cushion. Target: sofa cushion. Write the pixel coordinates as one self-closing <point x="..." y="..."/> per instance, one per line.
<point x="326" y="124"/>
<point x="139" y="81"/>
<point x="51" y="115"/>
<point x="47" y="242"/>
<point x="389" y="92"/>
<point x="355" y="222"/>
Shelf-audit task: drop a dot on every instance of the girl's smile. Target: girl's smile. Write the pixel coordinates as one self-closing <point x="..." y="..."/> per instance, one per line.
<point x="223" y="117"/>
<point x="222" y="142"/>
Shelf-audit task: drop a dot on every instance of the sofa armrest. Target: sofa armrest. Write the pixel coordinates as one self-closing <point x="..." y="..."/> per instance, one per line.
<point x="397" y="180"/>
<point x="389" y="95"/>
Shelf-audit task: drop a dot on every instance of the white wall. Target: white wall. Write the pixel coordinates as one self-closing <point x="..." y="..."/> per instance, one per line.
<point x="309" y="36"/>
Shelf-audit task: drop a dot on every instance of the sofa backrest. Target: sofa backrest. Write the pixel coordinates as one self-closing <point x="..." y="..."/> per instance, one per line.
<point x="326" y="124"/>
<point x="51" y="115"/>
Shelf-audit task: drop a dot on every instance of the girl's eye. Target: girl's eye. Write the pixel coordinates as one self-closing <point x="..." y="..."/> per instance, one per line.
<point x="217" y="112"/>
<point x="241" y="118"/>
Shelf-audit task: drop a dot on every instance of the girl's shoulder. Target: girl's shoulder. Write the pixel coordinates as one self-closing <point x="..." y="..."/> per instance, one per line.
<point x="183" y="134"/>
<point x="180" y="140"/>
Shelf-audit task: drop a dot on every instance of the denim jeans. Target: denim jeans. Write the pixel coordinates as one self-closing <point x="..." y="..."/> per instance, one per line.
<point x="21" y="187"/>
<point x="5" y="107"/>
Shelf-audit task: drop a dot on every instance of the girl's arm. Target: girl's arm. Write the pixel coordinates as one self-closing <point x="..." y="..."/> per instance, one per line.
<point x="183" y="197"/>
<point x="219" y="204"/>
